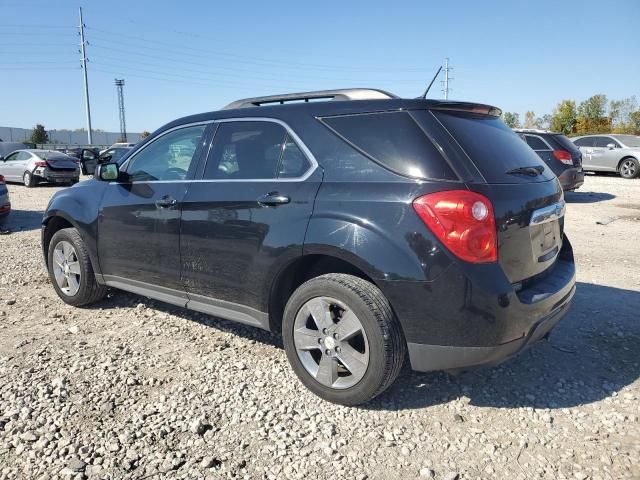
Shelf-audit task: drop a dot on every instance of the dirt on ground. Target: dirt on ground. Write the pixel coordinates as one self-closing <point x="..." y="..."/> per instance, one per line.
<point x="133" y="388"/>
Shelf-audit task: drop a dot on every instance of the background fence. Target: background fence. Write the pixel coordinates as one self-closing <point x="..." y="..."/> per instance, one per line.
<point x="66" y="137"/>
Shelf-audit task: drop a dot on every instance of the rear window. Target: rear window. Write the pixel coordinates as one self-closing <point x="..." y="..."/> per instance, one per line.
<point x="567" y="144"/>
<point x="395" y="141"/>
<point x="493" y="147"/>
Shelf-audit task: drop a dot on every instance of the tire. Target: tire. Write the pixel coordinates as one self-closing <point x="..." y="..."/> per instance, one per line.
<point x="629" y="168"/>
<point x="349" y="297"/>
<point x="28" y="180"/>
<point x="88" y="290"/>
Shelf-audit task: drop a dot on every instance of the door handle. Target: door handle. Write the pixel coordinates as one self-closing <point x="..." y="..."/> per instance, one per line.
<point x="166" y="202"/>
<point x="273" y="199"/>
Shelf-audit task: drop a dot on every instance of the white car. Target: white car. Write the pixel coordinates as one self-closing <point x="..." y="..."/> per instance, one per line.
<point x="610" y="153"/>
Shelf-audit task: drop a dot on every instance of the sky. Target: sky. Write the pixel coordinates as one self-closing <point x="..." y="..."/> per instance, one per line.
<point x="180" y="58"/>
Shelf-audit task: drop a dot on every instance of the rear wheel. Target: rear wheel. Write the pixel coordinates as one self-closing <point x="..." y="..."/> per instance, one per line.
<point x="28" y="180"/>
<point x="342" y="338"/>
<point x="629" y="168"/>
<point x="70" y="269"/>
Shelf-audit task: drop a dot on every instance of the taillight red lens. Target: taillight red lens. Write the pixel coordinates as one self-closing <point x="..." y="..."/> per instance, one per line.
<point x="1" y="178"/>
<point x="463" y="221"/>
<point x="40" y="164"/>
<point x="563" y="156"/>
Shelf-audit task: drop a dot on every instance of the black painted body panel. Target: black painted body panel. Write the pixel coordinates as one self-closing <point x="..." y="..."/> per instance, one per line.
<point x="220" y="243"/>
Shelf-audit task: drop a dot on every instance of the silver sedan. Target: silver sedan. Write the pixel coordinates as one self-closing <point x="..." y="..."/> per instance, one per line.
<point x="33" y="166"/>
<point x="610" y="153"/>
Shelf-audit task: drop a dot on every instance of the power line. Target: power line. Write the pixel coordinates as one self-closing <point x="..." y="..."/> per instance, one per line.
<point x="86" y="81"/>
<point x="446" y="80"/>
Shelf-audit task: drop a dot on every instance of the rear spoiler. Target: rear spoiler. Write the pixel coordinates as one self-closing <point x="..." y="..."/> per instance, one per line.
<point x="468" y="107"/>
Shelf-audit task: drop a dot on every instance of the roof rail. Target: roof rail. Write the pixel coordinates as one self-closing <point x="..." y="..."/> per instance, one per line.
<point x="341" y="94"/>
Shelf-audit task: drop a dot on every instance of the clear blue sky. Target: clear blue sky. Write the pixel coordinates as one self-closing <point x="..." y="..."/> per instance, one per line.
<point x="192" y="56"/>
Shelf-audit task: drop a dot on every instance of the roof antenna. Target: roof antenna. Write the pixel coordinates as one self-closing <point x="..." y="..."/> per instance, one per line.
<point x="424" y="95"/>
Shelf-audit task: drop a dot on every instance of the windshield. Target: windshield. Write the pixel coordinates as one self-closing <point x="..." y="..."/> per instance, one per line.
<point x="628" y="140"/>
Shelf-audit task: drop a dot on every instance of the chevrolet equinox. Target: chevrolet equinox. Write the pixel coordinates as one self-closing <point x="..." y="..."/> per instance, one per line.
<point x="360" y="226"/>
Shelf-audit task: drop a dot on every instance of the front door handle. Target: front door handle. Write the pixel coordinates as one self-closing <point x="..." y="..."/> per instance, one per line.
<point x="273" y="199"/>
<point x="166" y="202"/>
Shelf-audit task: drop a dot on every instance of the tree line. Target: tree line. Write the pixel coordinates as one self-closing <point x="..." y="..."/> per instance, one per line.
<point x="39" y="134"/>
<point x="596" y="114"/>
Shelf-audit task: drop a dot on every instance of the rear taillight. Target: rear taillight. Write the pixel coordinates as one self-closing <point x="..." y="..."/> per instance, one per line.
<point x="463" y="221"/>
<point x="563" y="156"/>
<point x="1" y="178"/>
<point x="40" y="164"/>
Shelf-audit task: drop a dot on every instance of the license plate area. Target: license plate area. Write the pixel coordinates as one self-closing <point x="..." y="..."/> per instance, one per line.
<point x="545" y="230"/>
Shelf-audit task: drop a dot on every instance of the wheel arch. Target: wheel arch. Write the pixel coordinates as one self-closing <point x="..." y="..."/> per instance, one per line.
<point x="626" y="157"/>
<point x="304" y="268"/>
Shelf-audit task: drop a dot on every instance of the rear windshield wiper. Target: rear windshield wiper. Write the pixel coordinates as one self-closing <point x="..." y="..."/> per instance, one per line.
<point x="531" y="171"/>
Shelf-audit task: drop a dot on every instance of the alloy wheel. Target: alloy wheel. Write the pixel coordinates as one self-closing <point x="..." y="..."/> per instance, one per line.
<point x="628" y="168"/>
<point x="331" y="342"/>
<point x="66" y="268"/>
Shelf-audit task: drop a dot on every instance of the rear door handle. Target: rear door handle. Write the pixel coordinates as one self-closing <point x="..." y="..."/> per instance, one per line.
<point x="273" y="199"/>
<point x="166" y="202"/>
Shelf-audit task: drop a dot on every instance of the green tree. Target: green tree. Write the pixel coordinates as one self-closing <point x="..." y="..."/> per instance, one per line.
<point x="39" y="135"/>
<point x="594" y="107"/>
<point x="545" y="121"/>
<point x="634" y="122"/>
<point x="620" y="112"/>
<point x="511" y="119"/>
<point x="563" y="118"/>
<point x="530" y="120"/>
<point x="144" y="134"/>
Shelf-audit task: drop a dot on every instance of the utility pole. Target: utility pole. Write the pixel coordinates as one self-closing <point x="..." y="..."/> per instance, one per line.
<point x="86" y="81"/>
<point x="123" y="125"/>
<point x="447" y="68"/>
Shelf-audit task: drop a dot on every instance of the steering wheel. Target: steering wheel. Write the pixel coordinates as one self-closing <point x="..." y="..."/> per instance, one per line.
<point x="175" y="173"/>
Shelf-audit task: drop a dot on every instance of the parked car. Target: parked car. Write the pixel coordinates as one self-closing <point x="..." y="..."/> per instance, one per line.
<point x="357" y="224"/>
<point x="33" y="166"/>
<point x="610" y="153"/>
<point x="119" y="144"/>
<point x="559" y="153"/>
<point x="5" y="204"/>
<point x="114" y="154"/>
<point x="87" y="158"/>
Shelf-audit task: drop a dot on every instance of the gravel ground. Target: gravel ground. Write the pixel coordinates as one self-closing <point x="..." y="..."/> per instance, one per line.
<point x="132" y="388"/>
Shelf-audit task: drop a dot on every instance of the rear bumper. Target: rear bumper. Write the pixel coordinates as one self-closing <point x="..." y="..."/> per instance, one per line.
<point x="472" y="315"/>
<point x="426" y="358"/>
<point x="571" y="179"/>
<point x="57" y="176"/>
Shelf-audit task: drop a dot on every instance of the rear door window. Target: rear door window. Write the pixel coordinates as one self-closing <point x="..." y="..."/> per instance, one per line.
<point x="395" y="141"/>
<point x="493" y="147"/>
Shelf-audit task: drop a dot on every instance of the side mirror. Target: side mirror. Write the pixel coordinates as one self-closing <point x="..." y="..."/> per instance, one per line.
<point x="108" y="172"/>
<point x="611" y="146"/>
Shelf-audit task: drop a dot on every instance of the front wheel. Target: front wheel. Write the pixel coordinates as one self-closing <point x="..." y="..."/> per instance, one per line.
<point x="342" y="338"/>
<point x="70" y="269"/>
<point x="629" y="168"/>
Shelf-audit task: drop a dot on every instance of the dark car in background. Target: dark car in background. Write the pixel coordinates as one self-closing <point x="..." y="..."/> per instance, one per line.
<point x="5" y="204"/>
<point x="560" y="155"/>
<point x="87" y="157"/>
<point x="359" y="225"/>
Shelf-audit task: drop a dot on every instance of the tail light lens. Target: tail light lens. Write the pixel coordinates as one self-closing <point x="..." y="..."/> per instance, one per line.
<point x="463" y="221"/>
<point x="1" y="178"/>
<point x="563" y="156"/>
<point x="40" y="164"/>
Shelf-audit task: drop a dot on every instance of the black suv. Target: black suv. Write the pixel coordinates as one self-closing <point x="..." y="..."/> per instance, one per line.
<point x="559" y="153"/>
<point x="357" y="224"/>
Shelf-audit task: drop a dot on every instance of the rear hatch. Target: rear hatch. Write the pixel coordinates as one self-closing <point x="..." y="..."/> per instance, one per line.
<point x="526" y="196"/>
<point x="565" y="144"/>
<point x="60" y="162"/>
